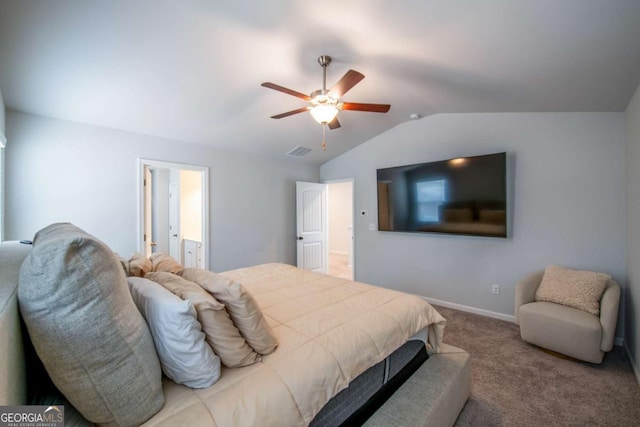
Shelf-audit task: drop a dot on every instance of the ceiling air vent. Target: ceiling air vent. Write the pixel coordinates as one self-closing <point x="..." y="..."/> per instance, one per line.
<point x="299" y="151"/>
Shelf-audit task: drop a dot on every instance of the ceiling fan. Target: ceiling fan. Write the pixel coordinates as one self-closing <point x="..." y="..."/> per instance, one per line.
<point x="324" y="104"/>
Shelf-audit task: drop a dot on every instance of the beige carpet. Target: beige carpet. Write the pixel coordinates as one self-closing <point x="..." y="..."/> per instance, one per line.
<point x="517" y="384"/>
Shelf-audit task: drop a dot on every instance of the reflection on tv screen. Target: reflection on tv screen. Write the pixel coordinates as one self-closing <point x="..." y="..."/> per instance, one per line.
<point x="466" y="195"/>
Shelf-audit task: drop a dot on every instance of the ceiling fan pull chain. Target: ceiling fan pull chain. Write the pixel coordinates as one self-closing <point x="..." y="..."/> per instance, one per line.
<point x="324" y="144"/>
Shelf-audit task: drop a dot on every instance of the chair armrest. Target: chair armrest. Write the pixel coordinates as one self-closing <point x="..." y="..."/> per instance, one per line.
<point x="526" y="291"/>
<point x="609" y="314"/>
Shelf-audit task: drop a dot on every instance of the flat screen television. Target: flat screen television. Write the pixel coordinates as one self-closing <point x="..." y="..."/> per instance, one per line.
<point x="465" y="195"/>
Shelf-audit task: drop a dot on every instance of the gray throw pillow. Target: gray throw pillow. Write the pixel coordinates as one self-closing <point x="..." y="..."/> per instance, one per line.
<point x="86" y="329"/>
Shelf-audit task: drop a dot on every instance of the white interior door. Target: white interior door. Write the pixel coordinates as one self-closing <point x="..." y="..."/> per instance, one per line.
<point x="311" y="224"/>
<point x="147" y="238"/>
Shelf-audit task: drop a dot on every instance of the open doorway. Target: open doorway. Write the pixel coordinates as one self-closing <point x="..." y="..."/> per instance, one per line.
<point x="340" y="229"/>
<point x="174" y="211"/>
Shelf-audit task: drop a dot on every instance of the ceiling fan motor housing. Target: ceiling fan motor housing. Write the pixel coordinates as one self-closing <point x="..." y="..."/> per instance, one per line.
<point x="324" y="60"/>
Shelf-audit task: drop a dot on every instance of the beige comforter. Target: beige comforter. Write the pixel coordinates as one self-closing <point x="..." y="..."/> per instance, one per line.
<point x="329" y="330"/>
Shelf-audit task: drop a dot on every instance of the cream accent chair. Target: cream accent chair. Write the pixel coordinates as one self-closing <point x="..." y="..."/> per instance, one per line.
<point x="563" y="329"/>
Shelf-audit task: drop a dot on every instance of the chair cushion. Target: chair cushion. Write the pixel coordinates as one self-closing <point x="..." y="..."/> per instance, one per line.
<point x="574" y="288"/>
<point x="86" y="329"/>
<point x="562" y="329"/>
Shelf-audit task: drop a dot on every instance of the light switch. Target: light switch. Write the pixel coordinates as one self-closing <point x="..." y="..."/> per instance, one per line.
<point x="372" y="226"/>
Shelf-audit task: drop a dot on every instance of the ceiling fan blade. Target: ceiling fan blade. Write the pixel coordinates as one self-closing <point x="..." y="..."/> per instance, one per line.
<point x="334" y="124"/>
<point x="286" y="90"/>
<point x="290" y="113"/>
<point x="374" y="108"/>
<point x="349" y="80"/>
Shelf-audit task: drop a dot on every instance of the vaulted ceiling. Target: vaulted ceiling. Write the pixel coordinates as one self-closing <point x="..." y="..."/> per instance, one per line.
<point x="191" y="70"/>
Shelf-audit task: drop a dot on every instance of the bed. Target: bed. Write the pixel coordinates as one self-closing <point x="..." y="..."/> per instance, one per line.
<point x="343" y="347"/>
<point x="331" y="331"/>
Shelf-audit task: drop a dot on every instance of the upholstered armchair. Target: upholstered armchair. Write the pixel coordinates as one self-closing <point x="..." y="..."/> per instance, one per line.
<point x="563" y="329"/>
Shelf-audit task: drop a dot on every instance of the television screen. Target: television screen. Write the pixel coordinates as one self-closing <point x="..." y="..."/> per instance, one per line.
<point x="466" y="195"/>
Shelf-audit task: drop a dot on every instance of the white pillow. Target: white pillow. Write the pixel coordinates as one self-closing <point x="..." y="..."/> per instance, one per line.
<point x="184" y="355"/>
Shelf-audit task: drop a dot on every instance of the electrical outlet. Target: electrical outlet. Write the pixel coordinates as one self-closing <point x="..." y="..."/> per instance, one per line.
<point x="495" y="289"/>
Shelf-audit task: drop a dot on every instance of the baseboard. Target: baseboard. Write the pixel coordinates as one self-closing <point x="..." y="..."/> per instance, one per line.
<point x="617" y="340"/>
<point x="474" y="310"/>
<point x="634" y="367"/>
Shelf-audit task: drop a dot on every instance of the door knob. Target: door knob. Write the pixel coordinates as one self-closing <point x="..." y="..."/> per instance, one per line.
<point x="153" y="244"/>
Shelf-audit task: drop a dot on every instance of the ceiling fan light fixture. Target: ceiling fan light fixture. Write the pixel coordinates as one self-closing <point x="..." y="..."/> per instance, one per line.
<point x="324" y="113"/>
<point x="324" y="104"/>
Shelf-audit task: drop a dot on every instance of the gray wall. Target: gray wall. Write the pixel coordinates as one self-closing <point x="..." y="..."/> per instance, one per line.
<point x="632" y="293"/>
<point x="63" y="171"/>
<point x="566" y="201"/>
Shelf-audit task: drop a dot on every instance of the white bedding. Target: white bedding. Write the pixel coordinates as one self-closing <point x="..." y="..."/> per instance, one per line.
<point x="330" y="330"/>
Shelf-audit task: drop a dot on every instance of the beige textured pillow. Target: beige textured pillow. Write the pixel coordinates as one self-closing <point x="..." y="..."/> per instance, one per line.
<point x="240" y="304"/>
<point x="221" y="334"/>
<point x="163" y="262"/>
<point x="574" y="288"/>
<point x="139" y="265"/>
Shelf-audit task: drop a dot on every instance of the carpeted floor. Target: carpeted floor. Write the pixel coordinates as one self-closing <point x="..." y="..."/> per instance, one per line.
<point x="338" y="266"/>
<point x="517" y="384"/>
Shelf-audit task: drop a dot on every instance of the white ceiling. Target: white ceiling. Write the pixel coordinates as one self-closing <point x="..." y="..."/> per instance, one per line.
<point x="190" y="70"/>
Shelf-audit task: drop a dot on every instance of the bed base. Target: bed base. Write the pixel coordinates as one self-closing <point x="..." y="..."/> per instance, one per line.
<point x="433" y="396"/>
